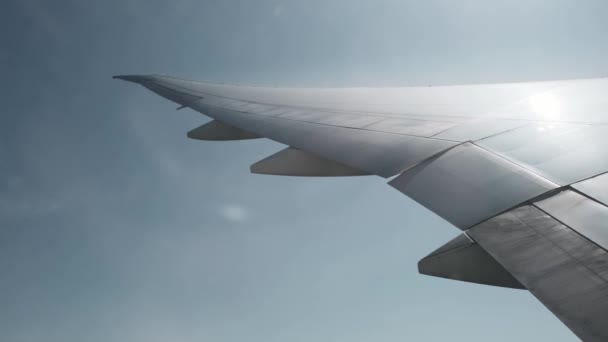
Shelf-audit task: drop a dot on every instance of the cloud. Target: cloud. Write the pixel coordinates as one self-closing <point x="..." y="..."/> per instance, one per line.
<point x="43" y="18"/>
<point x="19" y="207"/>
<point x="234" y="213"/>
<point x="277" y="10"/>
<point x="19" y="200"/>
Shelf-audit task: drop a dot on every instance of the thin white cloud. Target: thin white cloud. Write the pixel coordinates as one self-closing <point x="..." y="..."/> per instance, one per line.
<point x="234" y="213"/>
<point x="43" y="18"/>
<point x="277" y="10"/>
<point x="28" y="205"/>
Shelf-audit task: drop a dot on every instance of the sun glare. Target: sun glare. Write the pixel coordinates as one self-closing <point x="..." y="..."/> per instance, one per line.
<point x="546" y="105"/>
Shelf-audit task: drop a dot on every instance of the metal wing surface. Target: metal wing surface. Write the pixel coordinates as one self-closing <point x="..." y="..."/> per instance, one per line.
<point x="521" y="169"/>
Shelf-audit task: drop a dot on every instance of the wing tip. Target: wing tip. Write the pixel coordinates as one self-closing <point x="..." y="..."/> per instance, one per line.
<point x="131" y="78"/>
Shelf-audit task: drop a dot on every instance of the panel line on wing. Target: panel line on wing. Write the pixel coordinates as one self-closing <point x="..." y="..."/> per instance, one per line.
<point x="582" y="213"/>
<point x="563" y="269"/>
<point x="467" y="185"/>
<point x="518" y="164"/>
<point x="330" y="125"/>
<point x="380" y="153"/>
<point x="384" y="115"/>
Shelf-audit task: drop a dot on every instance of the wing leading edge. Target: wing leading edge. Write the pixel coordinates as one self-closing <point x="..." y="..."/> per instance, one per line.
<point x="520" y="168"/>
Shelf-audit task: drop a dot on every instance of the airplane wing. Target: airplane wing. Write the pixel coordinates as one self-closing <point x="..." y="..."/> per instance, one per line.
<point x="521" y="169"/>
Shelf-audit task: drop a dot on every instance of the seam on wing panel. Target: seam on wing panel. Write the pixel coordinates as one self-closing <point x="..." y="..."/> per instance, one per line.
<point x="588" y="178"/>
<point x="553" y="243"/>
<point x="503" y="132"/>
<point x="572" y="229"/>
<point x="447" y="129"/>
<point x="356" y="113"/>
<point x="418" y="86"/>
<point x="530" y="201"/>
<point x="428" y="159"/>
<point x="392" y="115"/>
<point x="562" y="189"/>
<point x="396" y="173"/>
<point x="573" y="189"/>
<point x="438" y="154"/>
<point x="521" y="166"/>
<point x="576" y="260"/>
<point x="324" y="124"/>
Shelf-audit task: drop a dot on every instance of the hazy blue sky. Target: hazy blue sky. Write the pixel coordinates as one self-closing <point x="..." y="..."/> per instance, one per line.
<point x="115" y="227"/>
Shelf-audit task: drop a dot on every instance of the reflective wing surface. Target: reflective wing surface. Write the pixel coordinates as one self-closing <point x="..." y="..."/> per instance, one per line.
<point x="521" y="169"/>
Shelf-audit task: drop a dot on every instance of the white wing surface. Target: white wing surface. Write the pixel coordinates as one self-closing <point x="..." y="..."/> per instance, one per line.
<point x="520" y="168"/>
